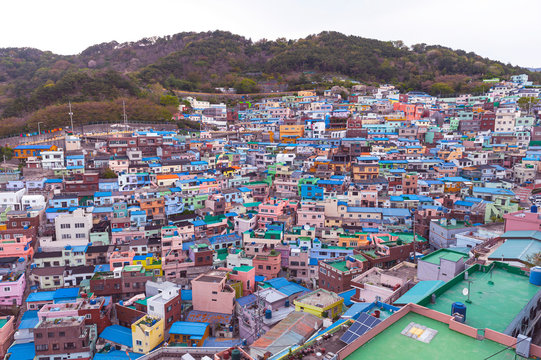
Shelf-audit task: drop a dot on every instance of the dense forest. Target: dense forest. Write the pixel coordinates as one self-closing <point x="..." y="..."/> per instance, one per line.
<point x="32" y="80"/>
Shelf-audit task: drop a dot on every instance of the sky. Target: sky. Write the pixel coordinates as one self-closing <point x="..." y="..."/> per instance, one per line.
<point x="501" y="30"/>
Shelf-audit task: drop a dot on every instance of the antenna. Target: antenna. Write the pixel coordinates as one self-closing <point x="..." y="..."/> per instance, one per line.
<point x="71" y="115"/>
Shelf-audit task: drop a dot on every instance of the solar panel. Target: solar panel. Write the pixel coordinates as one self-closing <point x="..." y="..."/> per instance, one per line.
<point x="363" y="324"/>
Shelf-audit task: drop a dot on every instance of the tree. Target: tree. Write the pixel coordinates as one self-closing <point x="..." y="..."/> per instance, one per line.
<point x="534" y="259"/>
<point x="107" y="173"/>
<point x="169" y="100"/>
<point x="440" y="88"/>
<point x="7" y="152"/>
<point x="526" y="103"/>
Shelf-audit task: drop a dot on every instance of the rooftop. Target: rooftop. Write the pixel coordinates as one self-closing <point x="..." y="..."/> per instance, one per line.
<point x="450" y="255"/>
<point x="447" y="344"/>
<point x="320" y="298"/>
<point x="497" y="292"/>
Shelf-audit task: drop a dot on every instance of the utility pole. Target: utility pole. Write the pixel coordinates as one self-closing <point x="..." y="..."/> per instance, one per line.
<point x="39" y="130"/>
<point x="71" y="116"/>
<point x="125" y="117"/>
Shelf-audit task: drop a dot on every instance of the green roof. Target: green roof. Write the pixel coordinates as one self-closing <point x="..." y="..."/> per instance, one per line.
<point x="243" y="268"/>
<point x="3" y="322"/>
<point x="497" y="296"/>
<point x="436" y="256"/>
<point x="252" y="204"/>
<point x="390" y="344"/>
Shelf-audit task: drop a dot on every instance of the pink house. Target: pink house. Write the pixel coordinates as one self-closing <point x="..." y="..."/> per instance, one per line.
<point x="126" y="236"/>
<point x="6" y="333"/>
<point x="120" y="258"/>
<point x="268" y="265"/>
<point x="246" y="275"/>
<point x="211" y="293"/>
<point x="60" y="310"/>
<point x="270" y="211"/>
<point x="12" y="289"/>
<point x="311" y="214"/>
<point x="19" y="247"/>
<point x="523" y="220"/>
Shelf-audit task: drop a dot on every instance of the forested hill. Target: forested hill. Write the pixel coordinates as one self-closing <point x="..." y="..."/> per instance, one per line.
<point x="31" y="79"/>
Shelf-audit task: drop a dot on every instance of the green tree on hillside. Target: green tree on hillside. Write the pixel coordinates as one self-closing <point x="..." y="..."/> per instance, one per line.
<point x="169" y="100"/>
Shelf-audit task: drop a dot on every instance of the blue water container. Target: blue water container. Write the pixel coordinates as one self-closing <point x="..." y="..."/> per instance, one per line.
<point x="460" y="308"/>
<point x="535" y="275"/>
<point x="268" y="314"/>
<point x="286" y="304"/>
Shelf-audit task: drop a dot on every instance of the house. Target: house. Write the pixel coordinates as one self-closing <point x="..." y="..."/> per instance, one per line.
<point x="321" y="303"/>
<point x="188" y="333"/>
<point x="147" y="334"/>
<point x="443" y="264"/>
<point x="211" y="293"/>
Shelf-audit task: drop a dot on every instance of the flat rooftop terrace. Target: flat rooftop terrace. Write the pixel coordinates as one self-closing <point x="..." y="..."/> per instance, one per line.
<point x="447" y="344"/>
<point x="492" y="306"/>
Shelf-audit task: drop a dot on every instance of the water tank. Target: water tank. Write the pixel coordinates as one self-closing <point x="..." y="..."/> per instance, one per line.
<point x="459" y="308"/>
<point x="121" y="303"/>
<point x="533" y="209"/>
<point x="93" y="302"/>
<point x="268" y="314"/>
<point x="235" y="354"/>
<point x="286" y="304"/>
<point x="535" y="275"/>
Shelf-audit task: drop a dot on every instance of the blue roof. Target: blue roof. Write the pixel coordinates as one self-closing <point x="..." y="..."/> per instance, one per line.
<point x="420" y="291"/>
<point x="63" y="294"/>
<point x="25" y="351"/>
<point x="186" y="295"/>
<point x="102" y="268"/>
<point x="259" y="278"/>
<point x="493" y="191"/>
<point x="53" y="181"/>
<point x="356" y="308"/>
<point x="277" y="282"/>
<point x="188" y="328"/>
<point x="29" y="320"/>
<point x="40" y="296"/>
<point x="117" y="334"/>
<point x="463" y="203"/>
<point x="346" y="295"/>
<point x="33" y="147"/>
<point x="293" y="288"/>
<point x="102" y="193"/>
<point x="117" y="355"/>
<point x="246" y="300"/>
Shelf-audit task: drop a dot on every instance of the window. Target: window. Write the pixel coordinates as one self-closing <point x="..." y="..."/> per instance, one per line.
<point x="7" y="289"/>
<point x="80" y="236"/>
<point x="65" y="226"/>
<point x="42" y="347"/>
<point x="61" y="334"/>
<point x="38" y="335"/>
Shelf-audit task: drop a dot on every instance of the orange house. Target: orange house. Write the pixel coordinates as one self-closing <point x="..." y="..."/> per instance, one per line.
<point x="153" y="207"/>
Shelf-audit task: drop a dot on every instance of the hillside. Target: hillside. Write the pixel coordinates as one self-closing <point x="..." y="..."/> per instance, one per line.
<point x="31" y="79"/>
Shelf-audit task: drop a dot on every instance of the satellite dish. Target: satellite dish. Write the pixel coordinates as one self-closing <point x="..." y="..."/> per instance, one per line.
<point x="465" y="291"/>
<point x="306" y="227"/>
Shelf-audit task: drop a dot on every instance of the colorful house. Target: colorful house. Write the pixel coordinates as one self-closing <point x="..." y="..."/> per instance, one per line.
<point x="26" y="151"/>
<point x="189" y="333"/>
<point x="147" y="334"/>
<point x="321" y="303"/>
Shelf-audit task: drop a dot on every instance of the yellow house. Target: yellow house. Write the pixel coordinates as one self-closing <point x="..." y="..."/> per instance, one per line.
<point x="321" y="303"/>
<point x="147" y="334"/>
<point x="307" y="93"/>
<point x="149" y="263"/>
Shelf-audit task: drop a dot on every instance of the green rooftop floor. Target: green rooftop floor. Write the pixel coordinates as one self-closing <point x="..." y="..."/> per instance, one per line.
<point x="447" y="344"/>
<point x="492" y="306"/>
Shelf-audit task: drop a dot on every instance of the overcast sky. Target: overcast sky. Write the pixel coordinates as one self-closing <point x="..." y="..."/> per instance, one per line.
<point x="502" y="30"/>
